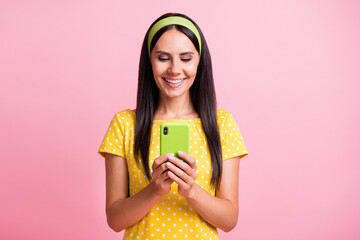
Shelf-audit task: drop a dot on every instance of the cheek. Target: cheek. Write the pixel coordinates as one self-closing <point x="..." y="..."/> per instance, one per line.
<point x="158" y="69"/>
<point x="191" y="70"/>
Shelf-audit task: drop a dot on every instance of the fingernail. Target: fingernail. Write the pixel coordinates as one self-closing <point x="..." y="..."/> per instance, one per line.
<point x="180" y="152"/>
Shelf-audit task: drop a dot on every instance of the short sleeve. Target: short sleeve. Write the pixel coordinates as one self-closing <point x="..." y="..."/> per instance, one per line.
<point x="232" y="142"/>
<point x="113" y="141"/>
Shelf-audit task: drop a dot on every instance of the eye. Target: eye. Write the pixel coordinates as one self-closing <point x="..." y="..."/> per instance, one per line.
<point x="186" y="59"/>
<point x="163" y="59"/>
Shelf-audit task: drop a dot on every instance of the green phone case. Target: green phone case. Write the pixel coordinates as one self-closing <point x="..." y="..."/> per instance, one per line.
<point x="176" y="139"/>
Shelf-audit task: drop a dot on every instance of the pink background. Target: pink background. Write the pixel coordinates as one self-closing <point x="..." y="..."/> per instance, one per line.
<point x="289" y="71"/>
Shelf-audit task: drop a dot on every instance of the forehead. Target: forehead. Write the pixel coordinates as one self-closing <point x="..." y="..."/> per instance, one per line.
<point x="174" y="40"/>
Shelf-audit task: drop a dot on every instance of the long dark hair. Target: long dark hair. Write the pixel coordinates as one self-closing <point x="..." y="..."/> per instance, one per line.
<point x="202" y="94"/>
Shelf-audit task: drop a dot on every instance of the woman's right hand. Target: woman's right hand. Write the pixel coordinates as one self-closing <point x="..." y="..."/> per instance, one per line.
<point x="122" y="210"/>
<point x="161" y="183"/>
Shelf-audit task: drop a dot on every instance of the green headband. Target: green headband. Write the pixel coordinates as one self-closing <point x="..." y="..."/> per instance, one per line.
<point x="173" y="20"/>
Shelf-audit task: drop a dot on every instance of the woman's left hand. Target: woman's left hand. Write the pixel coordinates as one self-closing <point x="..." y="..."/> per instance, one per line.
<point x="184" y="174"/>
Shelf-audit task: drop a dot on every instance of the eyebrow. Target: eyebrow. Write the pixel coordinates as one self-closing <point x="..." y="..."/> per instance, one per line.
<point x="166" y="53"/>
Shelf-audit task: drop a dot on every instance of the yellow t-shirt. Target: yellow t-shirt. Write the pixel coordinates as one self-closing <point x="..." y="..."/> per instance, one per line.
<point x="172" y="217"/>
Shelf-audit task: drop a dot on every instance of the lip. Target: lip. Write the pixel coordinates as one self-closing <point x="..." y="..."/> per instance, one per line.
<point x="173" y="85"/>
<point x="173" y="79"/>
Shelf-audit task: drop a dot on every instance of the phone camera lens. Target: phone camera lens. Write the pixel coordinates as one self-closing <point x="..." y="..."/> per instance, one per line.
<point x="165" y="130"/>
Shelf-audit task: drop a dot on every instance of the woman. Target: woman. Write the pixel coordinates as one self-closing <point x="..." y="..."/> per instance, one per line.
<point x="162" y="197"/>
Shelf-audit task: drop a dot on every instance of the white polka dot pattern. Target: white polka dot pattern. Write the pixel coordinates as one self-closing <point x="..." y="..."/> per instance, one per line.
<point x="231" y="139"/>
<point x="172" y="217"/>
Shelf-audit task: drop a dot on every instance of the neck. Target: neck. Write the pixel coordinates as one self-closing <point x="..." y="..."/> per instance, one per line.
<point x="178" y="107"/>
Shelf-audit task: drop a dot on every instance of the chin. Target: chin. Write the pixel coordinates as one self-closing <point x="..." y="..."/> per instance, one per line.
<point x="173" y="94"/>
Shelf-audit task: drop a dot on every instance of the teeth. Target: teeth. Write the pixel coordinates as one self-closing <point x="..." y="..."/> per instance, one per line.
<point x="176" y="81"/>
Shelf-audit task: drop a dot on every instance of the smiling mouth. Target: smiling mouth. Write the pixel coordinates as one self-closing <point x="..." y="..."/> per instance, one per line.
<point x="174" y="81"/>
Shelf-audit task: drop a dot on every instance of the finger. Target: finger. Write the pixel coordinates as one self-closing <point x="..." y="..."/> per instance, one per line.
<point x="159" y="171"/>
<point x="187" y="157"/>
<point x="169" y="180"/>
<point x="160" y="160"/>
<point x="162" y="177"/>
<point x="178" y="180"/>
<point x="182" y="165"/>
<point x="179" y="173"/>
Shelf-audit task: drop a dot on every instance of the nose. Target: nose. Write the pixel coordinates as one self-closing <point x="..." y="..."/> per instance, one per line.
<point x="175" y="67"/>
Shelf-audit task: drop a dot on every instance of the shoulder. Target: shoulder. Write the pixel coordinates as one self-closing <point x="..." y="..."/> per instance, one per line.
<point x="224" y="119"/>
<point x="222" y="112"/>
<point x="222" y="115"/>
<point x="126" y="117"/>
<point x="126" y="114"/>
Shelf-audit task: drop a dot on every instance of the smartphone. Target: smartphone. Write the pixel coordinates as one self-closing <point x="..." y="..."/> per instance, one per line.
<point x="174" y="136"/>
